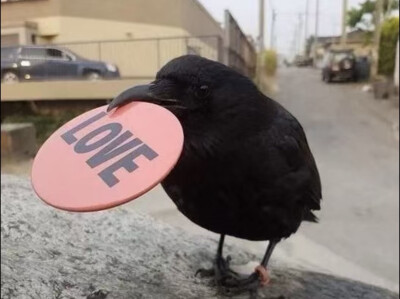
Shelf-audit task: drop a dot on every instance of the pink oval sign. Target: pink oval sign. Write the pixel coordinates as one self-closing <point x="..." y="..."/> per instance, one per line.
<point x="100" y="160"/>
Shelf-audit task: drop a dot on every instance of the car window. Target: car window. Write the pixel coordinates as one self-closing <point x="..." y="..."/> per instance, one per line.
<point x="8" y="53"/>
<point x="338" y="57"/>
<point x="33" y="53"/>
<point x="54" y="54"/>
<point x="67" y="56"/>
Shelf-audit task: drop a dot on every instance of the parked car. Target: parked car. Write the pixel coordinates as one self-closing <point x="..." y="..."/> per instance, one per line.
<point x="22" y="63"/>
<point x="302" y="61"/>
<point x="339" y="65"/>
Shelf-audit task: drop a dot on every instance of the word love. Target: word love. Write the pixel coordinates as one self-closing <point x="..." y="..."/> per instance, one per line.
<point x="115" y="144"/>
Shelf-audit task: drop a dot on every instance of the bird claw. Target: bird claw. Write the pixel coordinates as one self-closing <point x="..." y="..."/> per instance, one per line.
<point x="230" y="282"/>
<point x="240" y="284"/>
<point x="205" y="272"/>
<point x="220" y="267"/>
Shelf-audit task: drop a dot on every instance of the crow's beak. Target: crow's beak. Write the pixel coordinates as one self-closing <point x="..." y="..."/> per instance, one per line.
<point x="140" y="93"/>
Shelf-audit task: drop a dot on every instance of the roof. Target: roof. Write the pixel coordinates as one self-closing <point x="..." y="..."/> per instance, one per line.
<point x="355" y="36"/>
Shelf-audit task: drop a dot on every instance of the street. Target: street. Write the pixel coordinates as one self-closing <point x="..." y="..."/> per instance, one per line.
<point x="354" y="144"/>
<point x="357" y="156"/>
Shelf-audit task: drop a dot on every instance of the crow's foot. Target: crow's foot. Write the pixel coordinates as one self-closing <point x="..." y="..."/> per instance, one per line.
<point x="231" y="283"/>
<point x="219" y="270"/>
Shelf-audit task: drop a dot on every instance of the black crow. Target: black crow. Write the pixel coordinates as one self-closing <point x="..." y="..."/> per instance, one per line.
<point x="246" y="169"/>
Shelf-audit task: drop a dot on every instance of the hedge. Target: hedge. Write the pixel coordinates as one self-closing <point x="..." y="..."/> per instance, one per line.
<point x="388" y="44"/>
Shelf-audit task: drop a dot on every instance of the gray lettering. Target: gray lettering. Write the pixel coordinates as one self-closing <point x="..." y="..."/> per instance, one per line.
<point x="69" y="136"/>
<point x="83" y="146"/>
<point x="112" y="150"/>
<point x="107" y="175"/>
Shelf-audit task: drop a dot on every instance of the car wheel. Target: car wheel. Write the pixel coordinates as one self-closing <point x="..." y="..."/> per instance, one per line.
<point x="92" y="76"/>
<point x="328" y="78"/>
<point x="10" y="77"/>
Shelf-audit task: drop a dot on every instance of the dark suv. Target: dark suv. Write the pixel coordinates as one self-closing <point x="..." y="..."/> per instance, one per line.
<point x="340" y="65"/>
<point x="42" y="62"/>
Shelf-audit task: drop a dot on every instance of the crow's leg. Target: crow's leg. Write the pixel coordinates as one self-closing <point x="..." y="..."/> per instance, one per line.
<point x="220" y="268"/>
<point x="262" y="268"/>
<point x="232" y="283"/>
<point x="229" y="281"/>
<point x="260" y="277"/>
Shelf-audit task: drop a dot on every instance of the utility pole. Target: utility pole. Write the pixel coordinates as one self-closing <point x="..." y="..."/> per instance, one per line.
<point x="377" y="38"/>
<point x="389" y="9"/>
<point x="343" y="39"/>
<point x="260" y="60"/>
<point x="261" y="26"/>
<point x="316" y="31"/>
<point x="300" y="30"/>
<point x="306" y="26"/>
<point x="273" y="29"/>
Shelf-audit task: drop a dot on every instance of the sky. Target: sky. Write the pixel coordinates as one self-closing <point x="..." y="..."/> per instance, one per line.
<point x="287" y="25"/>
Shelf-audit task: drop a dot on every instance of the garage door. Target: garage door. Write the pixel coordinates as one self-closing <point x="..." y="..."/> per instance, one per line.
<point x="9" y="39"/>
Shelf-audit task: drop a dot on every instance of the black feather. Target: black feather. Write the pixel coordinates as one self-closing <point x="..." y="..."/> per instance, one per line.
<point x="246" y="169"/>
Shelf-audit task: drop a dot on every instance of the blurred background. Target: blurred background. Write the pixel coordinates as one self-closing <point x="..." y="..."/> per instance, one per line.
<point x="332" y="63"/>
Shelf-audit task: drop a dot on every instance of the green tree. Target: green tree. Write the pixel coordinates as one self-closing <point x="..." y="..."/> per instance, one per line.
<point x="387" y="48"/>
<point x="355" y="16"/>
<point x="270" y="62"/>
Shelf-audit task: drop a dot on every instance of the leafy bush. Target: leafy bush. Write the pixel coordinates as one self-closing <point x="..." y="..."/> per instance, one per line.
<point x="270" y="62"/>
<point x="388" y="43"/>
<point x="45" y="125"/>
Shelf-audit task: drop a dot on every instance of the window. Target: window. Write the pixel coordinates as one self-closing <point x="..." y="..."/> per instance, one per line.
<point x="339" y="57"/>
<point x="54" y="54"/>
<point x="33" y="53"/>
<point x="68" y="56"/>
<point x="8" y="53"/>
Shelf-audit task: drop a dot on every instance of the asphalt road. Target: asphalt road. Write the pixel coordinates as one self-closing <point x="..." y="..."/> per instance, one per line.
<point x="354" y="144"/>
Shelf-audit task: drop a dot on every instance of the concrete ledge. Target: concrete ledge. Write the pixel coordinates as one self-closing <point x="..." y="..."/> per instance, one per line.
<point x="117" y="254"/>
<point x="18" y="140"/>
<point x="67" y="90"/>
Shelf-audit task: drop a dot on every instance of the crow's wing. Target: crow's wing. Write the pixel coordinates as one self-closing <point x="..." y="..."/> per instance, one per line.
<point x="287" y="137"/>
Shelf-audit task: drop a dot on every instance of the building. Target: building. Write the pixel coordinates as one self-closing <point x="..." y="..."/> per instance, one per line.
<point x="65" y="21"/>
<point x="358" y="40"/>
<point x="137" y="35"/>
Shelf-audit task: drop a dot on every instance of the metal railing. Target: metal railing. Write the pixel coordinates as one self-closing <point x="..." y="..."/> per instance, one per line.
<point x="144" y="57"/>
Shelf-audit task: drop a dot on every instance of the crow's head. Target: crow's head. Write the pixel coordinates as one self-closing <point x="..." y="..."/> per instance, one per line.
<point x="195" y="89"/>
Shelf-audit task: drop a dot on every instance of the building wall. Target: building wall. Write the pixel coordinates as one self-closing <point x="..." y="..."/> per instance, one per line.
<point x="78" y="29"/>
<point x="79" y="25"/>
<point x="360" y="49"/>
<point x="16" y="12"/>
<point x="186" y="16"/>
<point x="20" y="33"/>
<point x="197" y="20"/>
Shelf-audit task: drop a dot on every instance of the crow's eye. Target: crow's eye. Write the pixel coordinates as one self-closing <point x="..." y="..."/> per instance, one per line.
<point x="202" y="91"/>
